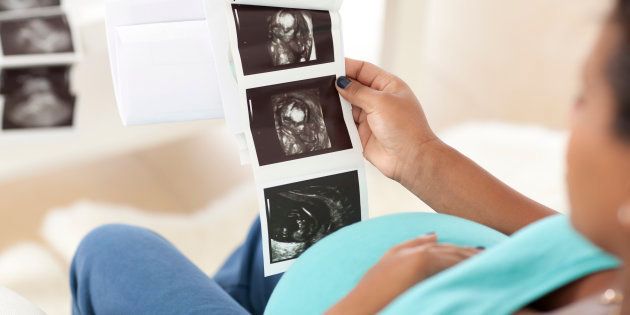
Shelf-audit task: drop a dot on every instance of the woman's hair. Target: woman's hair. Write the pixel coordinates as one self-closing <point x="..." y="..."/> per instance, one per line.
<point x="619" y="70"/>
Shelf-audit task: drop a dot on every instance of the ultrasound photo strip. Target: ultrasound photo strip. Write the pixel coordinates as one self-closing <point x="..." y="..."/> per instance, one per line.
<point x="46" y="38"/>
<point x="21" y="5"/>
<point x="331" y="5"/>
<point x="37" y="35"/>
<point x="296" y="120"/>
<point x="272" y="39"/>
<point x="36" y="98"/>
<point x="299" y="214"/>
<point x="307" y="154"/>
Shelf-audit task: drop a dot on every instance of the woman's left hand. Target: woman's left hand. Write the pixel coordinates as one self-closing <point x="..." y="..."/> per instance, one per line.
<point x="401" y="268"/>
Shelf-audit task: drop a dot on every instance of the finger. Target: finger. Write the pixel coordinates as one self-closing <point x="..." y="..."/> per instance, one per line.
<point x="454" y="249"/>
<point x="369" y="74"/>
<point x="468" y="252"/>
<point x="356" y="114"/>
<point x="420" y="241"/>
<point x="462" y="252"/>
<point x="358" y="94"/>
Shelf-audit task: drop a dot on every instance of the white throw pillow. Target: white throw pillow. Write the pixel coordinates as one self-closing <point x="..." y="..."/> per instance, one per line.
<point x="13" y="304"/>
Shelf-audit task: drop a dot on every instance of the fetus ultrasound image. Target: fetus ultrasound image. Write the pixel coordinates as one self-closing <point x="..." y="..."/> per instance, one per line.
<point x="300" y="122"/>
<point x="37" y="98"/>
<point x="36" y="35"/>
<point x="7" y="5"/>
<point x="300" y="214"/>
<point x="271" y="39"/>
<point x="296" y="120"/>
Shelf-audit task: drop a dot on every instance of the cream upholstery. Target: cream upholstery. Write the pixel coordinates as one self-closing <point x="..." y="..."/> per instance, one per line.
<point x="13" y="304"/>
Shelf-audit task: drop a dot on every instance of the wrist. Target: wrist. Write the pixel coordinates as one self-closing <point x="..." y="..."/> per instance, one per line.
<point x="353" y="304"/>
<point x="418" y="163"/>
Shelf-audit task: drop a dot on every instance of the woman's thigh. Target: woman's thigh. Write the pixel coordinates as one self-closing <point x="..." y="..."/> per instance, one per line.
<point x="242" y="275"/>
<point x="120" y="269"/>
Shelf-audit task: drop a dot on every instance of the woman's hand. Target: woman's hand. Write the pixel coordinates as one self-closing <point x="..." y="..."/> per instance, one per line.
<point x="391" y="123"/>
<point x="401" y="268"/>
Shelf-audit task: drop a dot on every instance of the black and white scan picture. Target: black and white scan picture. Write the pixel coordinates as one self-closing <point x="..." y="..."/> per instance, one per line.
<point x="296" y="120"/>
<point x="37" y="98"/>
<point x="8" y="5"/>
<point x="291" y="37"/>
<point x="36" y="35"/>
<point x="302" y="213"/>
<point x="271" y="39"/>
<point x="300" y="122"/>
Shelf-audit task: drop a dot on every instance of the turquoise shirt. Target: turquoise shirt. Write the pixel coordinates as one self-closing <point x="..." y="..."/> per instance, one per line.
<point x="531" y="264"/>
<point x="512" y="273"/>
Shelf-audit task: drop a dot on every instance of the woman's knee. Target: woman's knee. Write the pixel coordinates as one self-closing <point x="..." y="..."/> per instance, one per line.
<point x="111" y="241"/>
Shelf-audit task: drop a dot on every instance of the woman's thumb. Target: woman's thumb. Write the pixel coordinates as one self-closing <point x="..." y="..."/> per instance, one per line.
<point x="357" y="94"/>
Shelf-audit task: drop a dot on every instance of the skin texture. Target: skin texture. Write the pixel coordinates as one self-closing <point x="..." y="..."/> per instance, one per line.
<point x="399" y="142"/>
<point x="598" y="161"/>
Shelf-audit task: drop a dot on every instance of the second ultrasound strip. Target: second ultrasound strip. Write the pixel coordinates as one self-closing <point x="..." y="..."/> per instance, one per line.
<point x="38" y="50"/>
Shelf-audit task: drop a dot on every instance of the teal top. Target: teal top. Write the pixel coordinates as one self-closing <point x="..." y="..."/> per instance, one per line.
<point x="510" y="274"/>
<point x="534" y="262"/>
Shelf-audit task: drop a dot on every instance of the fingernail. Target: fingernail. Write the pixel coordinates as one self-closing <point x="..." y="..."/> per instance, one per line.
<point x="343" y="82"/>
<point x="480" y="248"/>
<point x="430" y="233"/>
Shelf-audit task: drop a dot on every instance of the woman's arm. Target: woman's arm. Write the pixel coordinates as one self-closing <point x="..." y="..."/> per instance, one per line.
<point x="397" y="139"/>
<point x="451" y="183"/>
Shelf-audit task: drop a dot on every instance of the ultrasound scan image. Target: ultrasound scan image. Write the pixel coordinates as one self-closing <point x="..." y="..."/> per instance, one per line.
<point x="296" y="120"/>
<point x="300" y="214"/>
<point x="271" y="39"/>
<point x="37" y="35"/>
<point x="291" y="37"/>
<point x="7" y="5"/>
<point x="37" y="100"/>
<point x="299" y="122"/>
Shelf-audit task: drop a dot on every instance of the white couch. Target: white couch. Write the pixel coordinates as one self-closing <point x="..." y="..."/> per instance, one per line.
<point x="13" y="304"/>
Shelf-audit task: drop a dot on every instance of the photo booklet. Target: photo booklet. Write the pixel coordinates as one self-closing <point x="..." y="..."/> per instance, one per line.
<point x="277" y="80"/>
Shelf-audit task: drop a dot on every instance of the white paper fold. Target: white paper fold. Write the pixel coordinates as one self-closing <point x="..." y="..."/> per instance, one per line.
<point x="162" y="62"/>
<point x="165" y="73"/>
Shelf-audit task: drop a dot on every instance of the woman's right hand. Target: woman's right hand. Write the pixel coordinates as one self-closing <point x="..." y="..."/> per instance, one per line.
<point x="391" y="123"/>
<point x="401" y="267"/>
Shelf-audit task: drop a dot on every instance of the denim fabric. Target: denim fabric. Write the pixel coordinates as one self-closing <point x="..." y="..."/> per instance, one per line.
<point x="120" y="269"/>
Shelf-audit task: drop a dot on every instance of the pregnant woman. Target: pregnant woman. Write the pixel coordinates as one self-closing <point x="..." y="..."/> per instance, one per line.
<point x="551" y="263"/>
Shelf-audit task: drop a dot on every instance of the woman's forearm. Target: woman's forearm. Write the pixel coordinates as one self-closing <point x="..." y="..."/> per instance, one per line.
<point x="453" y="184"/>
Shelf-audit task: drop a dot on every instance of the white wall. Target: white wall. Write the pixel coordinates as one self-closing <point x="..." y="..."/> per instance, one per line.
<point x="516" y="61"/>
<point x="363" y="29"/>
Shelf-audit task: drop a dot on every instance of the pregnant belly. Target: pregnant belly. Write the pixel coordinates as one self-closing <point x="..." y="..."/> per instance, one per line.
<point x="328" y="270"/>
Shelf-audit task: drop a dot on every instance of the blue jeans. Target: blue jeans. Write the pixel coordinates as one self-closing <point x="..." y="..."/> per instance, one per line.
<point x="120" y="269"/>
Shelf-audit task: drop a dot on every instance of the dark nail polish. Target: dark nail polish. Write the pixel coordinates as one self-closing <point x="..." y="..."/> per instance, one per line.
<point x="430" y="233"/>
<point x="481" y="248"/>
<point x="343" y="82"/>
